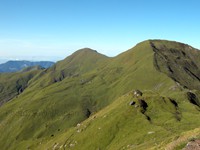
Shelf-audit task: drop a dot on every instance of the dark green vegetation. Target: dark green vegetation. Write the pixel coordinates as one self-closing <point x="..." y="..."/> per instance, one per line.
<point x="87" y="100"/>
<point x="13" y="84"/>
<point x="14" y="66"/>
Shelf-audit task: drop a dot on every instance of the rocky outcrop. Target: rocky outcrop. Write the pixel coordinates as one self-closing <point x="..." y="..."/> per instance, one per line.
<point x="137" y="93"/>
<point x="193" y="98"/>
<point x="193" y="145"/>
<point x="179" y="61"/>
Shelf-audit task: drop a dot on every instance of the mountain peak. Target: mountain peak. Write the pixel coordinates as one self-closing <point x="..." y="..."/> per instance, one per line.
<point x="97" y="94"/>
<point x="85" y="50"/>
<point x="81" y="61"/>
<point x="84" y="53"/>
<point x="170" y="44"/>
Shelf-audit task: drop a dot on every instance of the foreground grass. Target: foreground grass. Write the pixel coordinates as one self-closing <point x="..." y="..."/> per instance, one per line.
<point x="121" y="126"/>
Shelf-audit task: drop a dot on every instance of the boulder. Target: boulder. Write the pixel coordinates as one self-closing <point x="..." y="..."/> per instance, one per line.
<point x="137" y="93"/>
<point x="132" y="103"/>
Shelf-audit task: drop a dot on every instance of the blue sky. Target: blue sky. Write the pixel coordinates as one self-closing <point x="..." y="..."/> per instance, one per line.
<point x="53" y="29"/>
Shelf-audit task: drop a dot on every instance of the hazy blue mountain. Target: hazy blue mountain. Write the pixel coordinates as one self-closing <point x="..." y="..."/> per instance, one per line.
<point x="14" y="66"/>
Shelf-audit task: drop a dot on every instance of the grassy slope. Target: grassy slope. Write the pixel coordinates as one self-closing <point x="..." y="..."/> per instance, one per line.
<point x="12" y="84"/>
<point x="121" y="126"/>
<point x="179" y="61"/>
<point x="64" y="95"/>
<point x="80" y="62"/>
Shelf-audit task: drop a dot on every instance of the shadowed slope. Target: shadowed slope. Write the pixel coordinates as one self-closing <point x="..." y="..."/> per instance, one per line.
<point x="179" y="61"/>
<point x="13" y="84"/>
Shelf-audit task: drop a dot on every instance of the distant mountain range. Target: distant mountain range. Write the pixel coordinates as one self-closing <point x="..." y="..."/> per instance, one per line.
<point x="14" y="66"/>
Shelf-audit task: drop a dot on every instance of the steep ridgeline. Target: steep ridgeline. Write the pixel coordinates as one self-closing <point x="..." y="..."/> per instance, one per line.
<point x="179" y="61"/>
<point x="81" y="62"/>
<point x="90" y="94"/>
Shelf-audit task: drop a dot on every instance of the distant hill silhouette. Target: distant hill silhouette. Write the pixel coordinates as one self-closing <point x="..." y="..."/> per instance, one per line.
<point x="14" y="66"/>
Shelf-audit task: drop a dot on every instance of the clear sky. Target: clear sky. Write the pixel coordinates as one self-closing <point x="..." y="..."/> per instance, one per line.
<point x="53" y="29"/>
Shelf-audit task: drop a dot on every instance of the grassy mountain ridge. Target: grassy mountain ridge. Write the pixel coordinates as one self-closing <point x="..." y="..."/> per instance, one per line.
<point x="80" y="62"/>
<point x="179" y="62"/>
<point x="122" y="126"/>
<point x="88" y="84"/>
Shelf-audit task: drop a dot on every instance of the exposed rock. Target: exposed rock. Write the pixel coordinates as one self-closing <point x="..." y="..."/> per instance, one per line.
<point x="137" y="93"/>
<point x="173" y="102"/>
<point x="72" y="145"/>
<point x="132" y="103"/>
<point x="151" y="132"/>
<point x="55" y="146"/>
<point x="177" y="114"/>
<point x="143" y="105"/>
<point x="88" y="113"/>
<point x="193" y="145"/>
<point x="193" y="98"/>
<point x="78" y="125"/>
<point x="104" y="116"/>
<point x="136" y="106"/>
<point x="148" y="118"/>
<point x="180" y="63"/>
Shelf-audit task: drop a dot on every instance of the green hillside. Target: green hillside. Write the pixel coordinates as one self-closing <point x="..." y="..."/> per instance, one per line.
<point x="123" y="126"/>
<point x="179" y="61"/>
<point x="13" y="84"/>
<point x="83" y="102"/>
